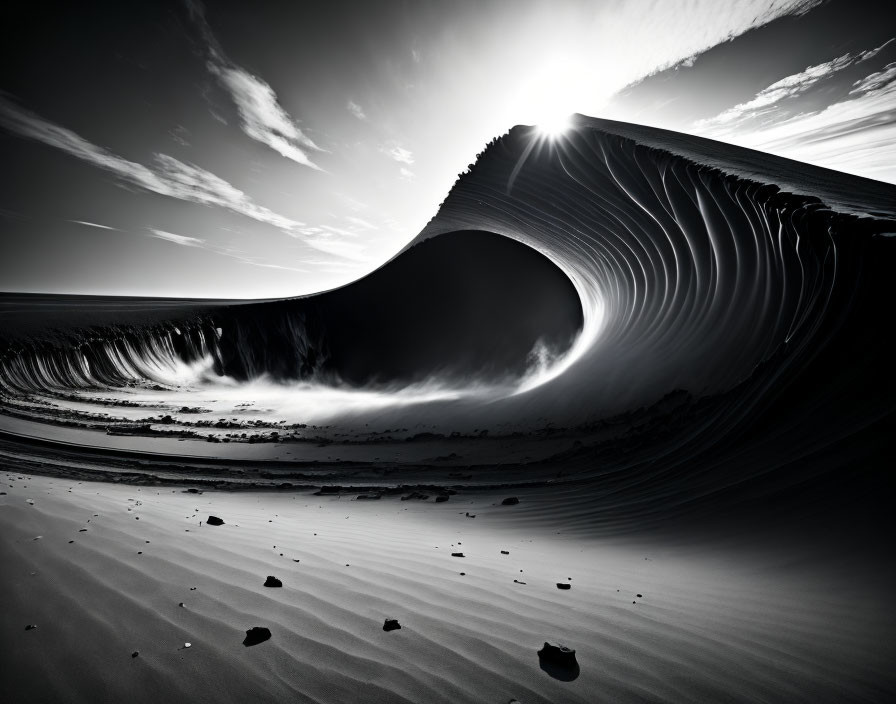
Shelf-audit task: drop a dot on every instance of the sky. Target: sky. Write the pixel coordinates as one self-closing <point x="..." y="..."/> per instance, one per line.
<point x="254" y="150"/>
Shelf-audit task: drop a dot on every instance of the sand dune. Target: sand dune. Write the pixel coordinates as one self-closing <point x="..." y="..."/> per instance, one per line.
<point x="677" y="357"/>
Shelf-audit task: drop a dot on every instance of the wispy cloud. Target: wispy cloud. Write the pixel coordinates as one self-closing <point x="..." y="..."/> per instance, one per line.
<point x="94" y="224"/>
<point x="361" y="223"/>
<point x="399" y="154"/>
<point x="356" y="110"/>
<point x="856" y="134"/>
<point x="769" y="100"/>
<point x="168" y="176"/>
<point x="406" y="173"/>
<point x="875" y="81"/>
<point x="186" y="241"/>
<point x="261" y="116"/>
<point x="182" y="240"/>
<point x="340" y="248"/>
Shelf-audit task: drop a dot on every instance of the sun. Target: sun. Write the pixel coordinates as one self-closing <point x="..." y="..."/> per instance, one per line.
<point x="554" y="126"/>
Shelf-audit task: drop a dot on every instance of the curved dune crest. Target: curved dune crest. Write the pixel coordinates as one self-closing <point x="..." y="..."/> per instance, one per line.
<point x="566" y="282"/>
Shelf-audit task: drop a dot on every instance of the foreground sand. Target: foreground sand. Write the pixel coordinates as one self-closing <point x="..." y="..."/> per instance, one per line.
<point x="714" y="623"/>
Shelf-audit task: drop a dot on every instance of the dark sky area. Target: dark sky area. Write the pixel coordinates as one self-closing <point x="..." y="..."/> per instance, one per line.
<point x="266" y="149"/>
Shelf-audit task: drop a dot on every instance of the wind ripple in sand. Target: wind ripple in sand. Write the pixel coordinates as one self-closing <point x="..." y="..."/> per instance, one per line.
<point x="470" y="638"/>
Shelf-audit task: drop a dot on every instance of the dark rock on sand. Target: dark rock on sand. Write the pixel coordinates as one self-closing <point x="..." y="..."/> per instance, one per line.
<point x="558" y="661"/>
<point x="563" y="585"/>
<point x="557" y="653"/>
<point x="368" y="497"/>
<point x="214" y="521"/>
<point x="505" y="552"/>
<point x="440" y="498"/>
<point x="457" y="554"/>
<point x="510" y="501"/>
<point x="415" y="495"/>
<point x="391" y="624"/>
<point x="272" y="582"/>
<point x="135" y="653"/>
<point x="256" y="635"/>
<point x="30" y="626"/>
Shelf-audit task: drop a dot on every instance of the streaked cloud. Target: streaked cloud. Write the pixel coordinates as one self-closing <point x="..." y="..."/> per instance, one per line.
<point x="876" y="81"/>
<point x="399" y="154"/>
<point x="340" y="248"/>
<point x="855" y="134"/>
<point x="768" y="100"/>
<point x="406" y="173"/>
<point x="182" y="240"/>
<point x="232" y="253"/>
<point x="361" y="223"/>
<point x="261" y="116"/>
<point x="94" y="224"/>
<point x="168" y="176"/>
<point x="356" y="110"/>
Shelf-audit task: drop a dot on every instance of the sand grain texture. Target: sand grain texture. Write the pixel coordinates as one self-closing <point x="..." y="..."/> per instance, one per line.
<point x="711" y="625"/>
